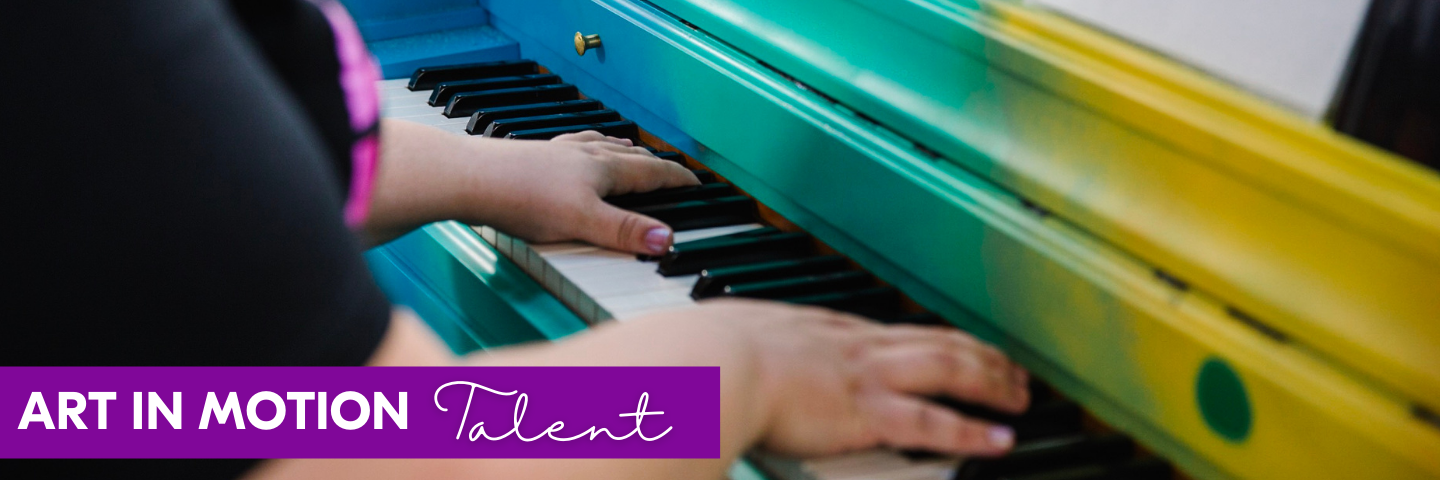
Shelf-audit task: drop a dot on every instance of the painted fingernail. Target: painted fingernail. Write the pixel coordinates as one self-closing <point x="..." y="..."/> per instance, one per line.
<point x="1001" y="436"/>
<point x="657" y="239"/>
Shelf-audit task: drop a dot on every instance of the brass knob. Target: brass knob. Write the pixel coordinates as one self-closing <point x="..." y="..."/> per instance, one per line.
<point x="585" y="43"/>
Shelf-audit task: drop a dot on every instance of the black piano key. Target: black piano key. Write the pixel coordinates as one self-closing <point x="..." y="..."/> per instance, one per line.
<point x="1138" y="469"/>
<point x="502" y="127"/>
<point x="873" y="302"/>
<point x="1047" y="418"/>
<point x="467" y="103"/>
<point x="723" y="239"/>
<point x="620" y="129"/>
<point x="1050" y="454"/>
<point x="427" y="77"/>
<point x="707" y="213"/>
<point x="800" y="286"/>
<point x="670" y="156"/>
<point x="925" y="318"/>
<point x="672" y="195"/>
<point x="713" y="281"/>
<point x="705" y="176"/>
<point x="1040" y="392"/>
<point x="481" y="118"/>
<point x="445" y="90"/>
<point x="691" y="257"/>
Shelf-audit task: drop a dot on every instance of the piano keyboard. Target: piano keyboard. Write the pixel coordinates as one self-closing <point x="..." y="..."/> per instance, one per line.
<point x="725" y="247"/>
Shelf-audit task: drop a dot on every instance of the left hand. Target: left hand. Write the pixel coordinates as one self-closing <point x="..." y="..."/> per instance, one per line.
<point x="535" y="190"/>
<point x="558" y="186"/>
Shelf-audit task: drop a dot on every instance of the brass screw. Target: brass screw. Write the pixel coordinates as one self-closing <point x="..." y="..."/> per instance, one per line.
<point x="585" y="43"/>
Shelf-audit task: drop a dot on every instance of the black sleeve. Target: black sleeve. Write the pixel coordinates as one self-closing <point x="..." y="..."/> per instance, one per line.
<point x="168" y="200"/>
<point x="296" y="41"/>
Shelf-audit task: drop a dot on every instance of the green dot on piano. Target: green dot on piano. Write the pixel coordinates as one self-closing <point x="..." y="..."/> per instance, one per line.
<point x="1223" y="402"/>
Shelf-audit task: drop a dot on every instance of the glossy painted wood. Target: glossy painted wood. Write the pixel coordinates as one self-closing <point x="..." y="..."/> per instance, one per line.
<point x="1092" y="317"/>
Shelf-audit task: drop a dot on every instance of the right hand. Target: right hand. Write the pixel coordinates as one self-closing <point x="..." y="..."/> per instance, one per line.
<point x="831" y="382"/>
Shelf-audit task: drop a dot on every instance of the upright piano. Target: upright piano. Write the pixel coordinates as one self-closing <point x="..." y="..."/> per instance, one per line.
<point x="1217" y="266"/>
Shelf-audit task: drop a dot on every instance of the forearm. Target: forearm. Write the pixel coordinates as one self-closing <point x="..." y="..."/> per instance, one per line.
<point x="543" y="191"/>
<point x="745" y="392"/>
<point x="409" y="343"/>
<point x="419" y="180"/>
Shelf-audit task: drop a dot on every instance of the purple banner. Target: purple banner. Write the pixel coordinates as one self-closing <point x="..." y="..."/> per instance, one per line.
<point x="360" y="412"/>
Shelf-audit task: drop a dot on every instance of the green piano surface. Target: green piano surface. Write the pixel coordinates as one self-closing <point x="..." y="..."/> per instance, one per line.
<point x="1248" y="293"/>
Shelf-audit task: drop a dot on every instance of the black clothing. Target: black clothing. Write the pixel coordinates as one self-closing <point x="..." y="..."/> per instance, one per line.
<point x="171" y="201"/>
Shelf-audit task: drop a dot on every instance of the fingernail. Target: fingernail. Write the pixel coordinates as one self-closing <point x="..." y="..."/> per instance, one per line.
<point x="1002" y="436"/>
<point x="657" y="239"/>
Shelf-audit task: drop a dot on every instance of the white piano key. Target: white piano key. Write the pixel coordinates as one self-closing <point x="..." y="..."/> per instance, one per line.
<point x="394" y="84"/>
<point x="879" y="465"/>
<point x="403" y="98"/>
<point x="638" y="278"/>
<point x="568" y="293"/>
<point x="404" y="95"/>
<point x="403" y="91"/>
<point x="553" y="280"/>
<point x="502" y="243"/>
<point x="422" y="118"/>
<point x="860" y="463"/>
<point x="546" y="249"/>
<point x="595" y="257"/>
<point x="435" y="120"/>
<point x="536" y="263"/>
<point x="629" y="306"/>
<point x="486" y="233"/>
<point x="411" y="111"/>
<point x="456" y="128"/>
<point x="518" y="249"/>
<point x="613" y="280"/>
<point x="642" y="283"/>
<point x="415" y="113"/>
<point x="914" y="472"/>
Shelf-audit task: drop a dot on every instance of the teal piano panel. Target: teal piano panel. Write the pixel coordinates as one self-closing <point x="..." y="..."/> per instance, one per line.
<point x="470" y="295"/>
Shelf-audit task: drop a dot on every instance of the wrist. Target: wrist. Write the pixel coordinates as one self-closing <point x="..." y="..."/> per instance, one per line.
<point x="417" y="182"/>
<point x="750" y="386"/>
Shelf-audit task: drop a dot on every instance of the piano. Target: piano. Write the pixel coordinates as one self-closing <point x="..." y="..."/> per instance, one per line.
<point x="1214" y="272"/>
